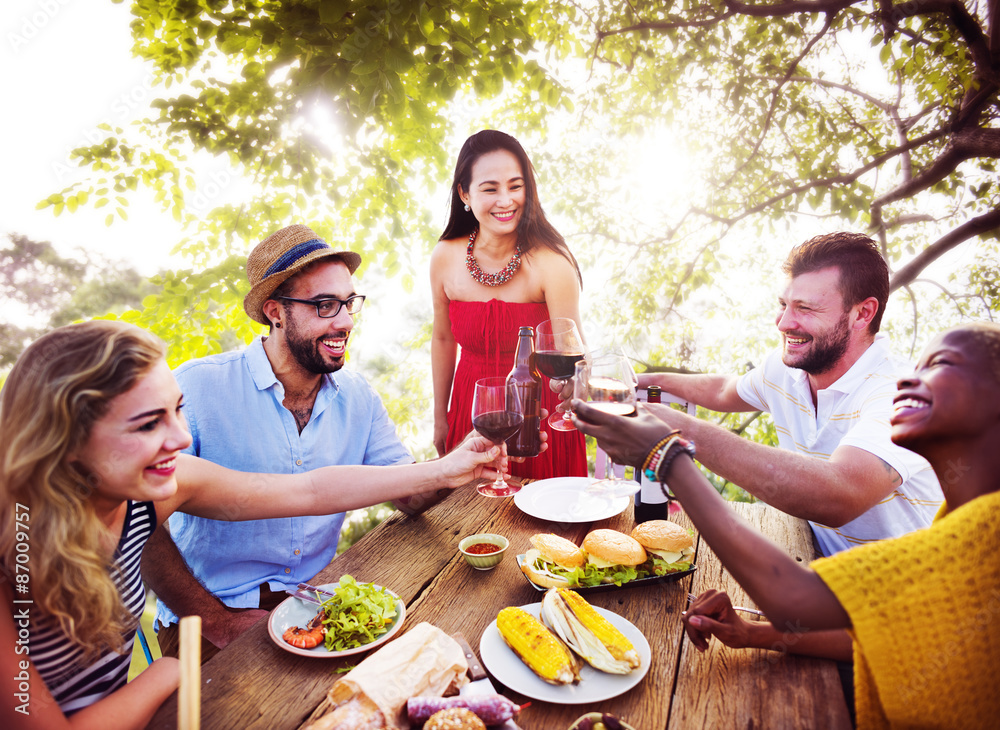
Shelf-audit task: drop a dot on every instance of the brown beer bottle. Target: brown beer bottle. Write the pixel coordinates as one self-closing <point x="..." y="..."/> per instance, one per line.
<point x="526" y="442"/>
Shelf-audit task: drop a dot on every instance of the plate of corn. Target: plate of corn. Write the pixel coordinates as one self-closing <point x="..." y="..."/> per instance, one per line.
<point x="592" y="686"/>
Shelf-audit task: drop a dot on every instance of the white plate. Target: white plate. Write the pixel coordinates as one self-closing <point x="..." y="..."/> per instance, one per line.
<point x="594" y="686"/>
<point x="295" y="612"/>
<point x="565" y="499"/>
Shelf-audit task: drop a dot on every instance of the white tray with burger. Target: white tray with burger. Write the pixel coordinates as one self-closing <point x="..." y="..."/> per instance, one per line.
<point x="656" y="552"/>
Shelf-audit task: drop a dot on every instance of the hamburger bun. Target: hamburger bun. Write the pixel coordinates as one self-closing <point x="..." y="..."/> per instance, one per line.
<point x="454" y="718"/>
<point x="549" y="551"/>
<point x="558" y="549"/>
<point x="662" y="535"/>
<point x="610" y="547"/>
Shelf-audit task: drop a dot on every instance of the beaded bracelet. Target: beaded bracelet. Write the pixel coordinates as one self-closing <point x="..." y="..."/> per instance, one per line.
<point x="653" y="455"/>
<point x="658" y="461"/>
<point x="656" y="453"/>
<point x="656" y="458"/>
<point x="677" y="445"/>
<point x="649" y="467"/>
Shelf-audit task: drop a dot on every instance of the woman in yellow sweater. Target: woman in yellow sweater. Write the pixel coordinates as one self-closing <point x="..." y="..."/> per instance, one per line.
<point x="923" y="610"/>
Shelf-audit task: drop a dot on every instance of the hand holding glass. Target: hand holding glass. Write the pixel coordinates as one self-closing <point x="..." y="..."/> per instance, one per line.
<point x="607" y="383"/>
<point x="496" y="414"/>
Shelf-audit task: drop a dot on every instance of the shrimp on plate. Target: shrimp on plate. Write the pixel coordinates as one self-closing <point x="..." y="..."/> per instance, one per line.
<point x="309" y="636"/>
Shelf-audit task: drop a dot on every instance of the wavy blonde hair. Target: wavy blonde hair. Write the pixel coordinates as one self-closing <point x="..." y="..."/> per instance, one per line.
<point x="60" y="386"/>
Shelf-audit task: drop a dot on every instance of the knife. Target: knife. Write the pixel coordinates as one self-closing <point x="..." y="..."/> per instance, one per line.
<point x="481" y="683"/>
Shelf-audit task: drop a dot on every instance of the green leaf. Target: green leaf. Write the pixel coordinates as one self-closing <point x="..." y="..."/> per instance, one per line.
<point x="332" y="11"/>
<point x="478" y="20"/>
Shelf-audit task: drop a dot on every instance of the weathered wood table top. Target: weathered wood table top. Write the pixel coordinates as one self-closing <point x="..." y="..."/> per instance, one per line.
<point x="255" y="684"/>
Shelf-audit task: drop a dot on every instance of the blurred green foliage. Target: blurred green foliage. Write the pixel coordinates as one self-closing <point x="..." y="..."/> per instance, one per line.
<point x="51" y="290"/>
<point x="359" y="522"/>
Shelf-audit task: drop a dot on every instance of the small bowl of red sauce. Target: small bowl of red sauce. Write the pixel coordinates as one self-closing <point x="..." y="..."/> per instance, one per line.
<point x="483" y="551"/>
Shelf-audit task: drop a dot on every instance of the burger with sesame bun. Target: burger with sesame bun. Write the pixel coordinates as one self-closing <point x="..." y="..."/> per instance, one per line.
<point x="612" y="557"/>
<point x="670" y="547"/>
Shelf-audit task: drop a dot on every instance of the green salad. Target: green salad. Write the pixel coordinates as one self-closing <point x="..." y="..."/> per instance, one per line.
<point x="357" y="614"/>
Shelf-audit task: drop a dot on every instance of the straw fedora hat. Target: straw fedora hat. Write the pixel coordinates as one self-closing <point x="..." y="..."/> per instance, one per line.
<point x="279" y="257"/>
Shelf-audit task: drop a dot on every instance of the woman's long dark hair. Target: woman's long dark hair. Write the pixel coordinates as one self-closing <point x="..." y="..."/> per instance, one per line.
<point x="533" y="229"/>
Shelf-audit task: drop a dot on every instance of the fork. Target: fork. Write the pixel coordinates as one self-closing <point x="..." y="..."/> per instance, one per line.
<point x="754" y="611"/>
<point x="309" y="594"/>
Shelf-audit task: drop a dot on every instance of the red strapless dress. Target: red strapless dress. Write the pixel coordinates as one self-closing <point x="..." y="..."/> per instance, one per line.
<point x="487" y="334"/>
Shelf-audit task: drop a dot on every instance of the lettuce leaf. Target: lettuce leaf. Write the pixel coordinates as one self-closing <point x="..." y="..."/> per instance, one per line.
<point x="618" y="574"/>
<point x="658" y="566"/>
<point x="357" y="614"/>
<point x="589" y="574"/>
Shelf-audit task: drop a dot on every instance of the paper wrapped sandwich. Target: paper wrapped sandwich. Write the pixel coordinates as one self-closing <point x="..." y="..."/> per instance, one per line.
<point x="372" y="696"/>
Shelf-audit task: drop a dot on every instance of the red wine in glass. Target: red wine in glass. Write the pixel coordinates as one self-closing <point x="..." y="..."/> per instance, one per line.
<point x="557" y="365"/>
<point x="496" y="414"/>
<point x="558" y="347"/>
<point x="498" y="426"/>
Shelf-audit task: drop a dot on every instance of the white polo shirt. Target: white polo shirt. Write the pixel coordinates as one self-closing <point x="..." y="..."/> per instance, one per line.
<point x="854" y="411"/>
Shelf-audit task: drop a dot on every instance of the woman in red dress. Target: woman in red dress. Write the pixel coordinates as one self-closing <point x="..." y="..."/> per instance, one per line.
<point x="498" y="265"/>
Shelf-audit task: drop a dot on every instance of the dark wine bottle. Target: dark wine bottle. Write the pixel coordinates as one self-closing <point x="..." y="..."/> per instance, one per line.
<point x="527" y="441"/>
<point x="650" y="501"/>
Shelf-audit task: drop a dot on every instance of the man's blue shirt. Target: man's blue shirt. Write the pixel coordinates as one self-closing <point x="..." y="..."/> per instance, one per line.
<point x="233" y="406"/>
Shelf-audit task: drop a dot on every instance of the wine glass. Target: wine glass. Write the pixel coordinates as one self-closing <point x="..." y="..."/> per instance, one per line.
<point x="496" y="414"/>
<point x="558" y="347"/>
<point x="607" y="383"/>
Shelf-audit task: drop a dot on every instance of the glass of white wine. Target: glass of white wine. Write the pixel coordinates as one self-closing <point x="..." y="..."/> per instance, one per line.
<point x="607" y="383"/>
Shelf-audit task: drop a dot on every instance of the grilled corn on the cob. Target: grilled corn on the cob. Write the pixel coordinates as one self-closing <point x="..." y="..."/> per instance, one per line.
<point x="588" y="633"/>
<point x="537" y="647"/>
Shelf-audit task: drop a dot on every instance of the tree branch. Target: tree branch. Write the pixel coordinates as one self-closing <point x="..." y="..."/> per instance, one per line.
<point x="971" y="228"/>
<point x="993" y="18"/>
<point x="964" y="22"/>
<point x="835" y="85"/>
<point x="775" y="92"/>
<point x="830" y="7"/>
<point x="663" y="25"/>
<point x="825" y="182"/>
<point x="962" y="146"/>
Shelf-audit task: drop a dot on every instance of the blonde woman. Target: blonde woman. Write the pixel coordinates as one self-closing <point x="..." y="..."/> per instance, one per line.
<point x="90" y="438"/>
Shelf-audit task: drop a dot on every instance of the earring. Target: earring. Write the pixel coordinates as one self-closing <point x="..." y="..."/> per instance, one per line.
<point x="278" y="325"/>
<point x="467" y="208"/>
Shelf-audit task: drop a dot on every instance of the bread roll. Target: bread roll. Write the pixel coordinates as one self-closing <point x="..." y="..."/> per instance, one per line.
<point x="558" y="549"/>
<point x="454" y="718"/>
<point x="611" y="547"/>
<point x="662" y="535"/>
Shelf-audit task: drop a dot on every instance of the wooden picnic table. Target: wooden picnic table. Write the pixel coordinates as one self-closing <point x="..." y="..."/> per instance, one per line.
<point x="253" y="683"/>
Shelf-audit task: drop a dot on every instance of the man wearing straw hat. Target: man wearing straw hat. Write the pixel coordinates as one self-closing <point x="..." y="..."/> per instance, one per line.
<point x="282" y="405"/>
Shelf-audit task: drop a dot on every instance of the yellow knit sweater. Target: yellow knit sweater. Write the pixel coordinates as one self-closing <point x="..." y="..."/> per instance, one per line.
<point x="925" y="615"/>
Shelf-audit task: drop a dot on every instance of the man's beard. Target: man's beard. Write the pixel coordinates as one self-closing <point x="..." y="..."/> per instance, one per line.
<point x="825" y="351"/>
<point x="307" y="355"/>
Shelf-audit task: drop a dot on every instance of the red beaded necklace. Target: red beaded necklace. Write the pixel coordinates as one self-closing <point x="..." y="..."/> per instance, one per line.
<point x="502" y="276"/>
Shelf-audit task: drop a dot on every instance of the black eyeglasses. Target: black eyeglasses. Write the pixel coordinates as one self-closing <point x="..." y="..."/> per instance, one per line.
<point x="330" y="306"/>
